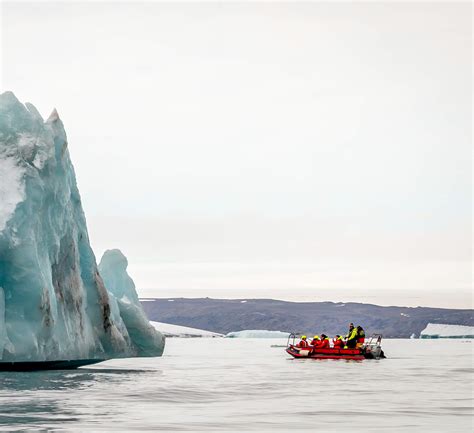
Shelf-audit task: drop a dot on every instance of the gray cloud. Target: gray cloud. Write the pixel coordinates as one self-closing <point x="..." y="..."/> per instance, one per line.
<point x="285" y="146"/>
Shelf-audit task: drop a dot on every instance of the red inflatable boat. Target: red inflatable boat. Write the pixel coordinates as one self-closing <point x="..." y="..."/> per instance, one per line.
<point x="371" y="350"/>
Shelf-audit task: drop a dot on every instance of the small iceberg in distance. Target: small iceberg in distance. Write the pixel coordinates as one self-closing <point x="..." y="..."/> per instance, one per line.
<point x="54" y="304"/>
<point x="439" y="330"/>
<point x="257" y="333"/>
<point x="170" y="330"/>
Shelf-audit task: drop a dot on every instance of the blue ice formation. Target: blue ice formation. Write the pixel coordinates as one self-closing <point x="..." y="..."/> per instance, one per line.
<point x="54" y="304"/>
<point x="113" y="269"/>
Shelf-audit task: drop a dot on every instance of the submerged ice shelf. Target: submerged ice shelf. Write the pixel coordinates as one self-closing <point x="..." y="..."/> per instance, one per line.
<point x="54" y="304"/>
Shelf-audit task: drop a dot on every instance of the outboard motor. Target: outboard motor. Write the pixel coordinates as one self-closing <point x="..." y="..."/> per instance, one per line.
<point x="373" y="348"/>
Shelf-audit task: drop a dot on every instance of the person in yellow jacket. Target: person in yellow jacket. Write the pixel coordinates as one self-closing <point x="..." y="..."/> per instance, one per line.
<point x="351" y="337"/>
<point x="351" y="328"/>
<point x="360" y="336"/>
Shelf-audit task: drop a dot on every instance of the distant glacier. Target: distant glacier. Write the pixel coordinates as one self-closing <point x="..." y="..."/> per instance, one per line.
<point x="170" y="330"/>
<point x="440" y="330"/>
<point x="257" y="333"/>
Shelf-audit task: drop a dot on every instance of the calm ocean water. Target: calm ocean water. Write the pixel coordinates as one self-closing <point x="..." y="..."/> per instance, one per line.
<point x="247" y="385"/>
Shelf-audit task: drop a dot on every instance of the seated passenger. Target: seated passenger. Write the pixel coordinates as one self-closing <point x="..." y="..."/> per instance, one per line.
<point x="315" y="342"/>
<point x="338" y="342"/>
<point x="303" y="344"/>
<point x="324" y="342"/>
<point x="360" y="336"/>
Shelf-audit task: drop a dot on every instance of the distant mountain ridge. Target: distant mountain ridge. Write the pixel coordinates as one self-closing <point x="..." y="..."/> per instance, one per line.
<point x="226" y="315"/>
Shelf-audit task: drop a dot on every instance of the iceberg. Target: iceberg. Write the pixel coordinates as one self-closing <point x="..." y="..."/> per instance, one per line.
<point x="54" y="304"/>
<point x="170" y="330"/>
<point x="439" y="330"/>
<point x="257" y="333"/>
<point x="125" y="303"/>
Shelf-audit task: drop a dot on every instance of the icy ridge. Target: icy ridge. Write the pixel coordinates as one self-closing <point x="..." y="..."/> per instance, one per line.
<point x="53" y="302"/>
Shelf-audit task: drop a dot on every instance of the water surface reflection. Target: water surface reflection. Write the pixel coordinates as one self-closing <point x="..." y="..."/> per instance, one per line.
<point x="247" y="385"/>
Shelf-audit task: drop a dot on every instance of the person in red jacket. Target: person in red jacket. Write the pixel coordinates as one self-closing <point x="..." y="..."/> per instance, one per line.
<point x="338" y="342"/>
<point x="303" y="344"/>
<point x="324" y="342"/>
<point x="315" y="342"/>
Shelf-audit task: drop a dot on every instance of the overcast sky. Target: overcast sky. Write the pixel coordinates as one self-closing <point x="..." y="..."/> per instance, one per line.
<point x="296" y="151"/>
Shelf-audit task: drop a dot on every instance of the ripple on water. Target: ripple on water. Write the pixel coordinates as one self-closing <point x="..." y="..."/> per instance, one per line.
<point x="248" y="386"/>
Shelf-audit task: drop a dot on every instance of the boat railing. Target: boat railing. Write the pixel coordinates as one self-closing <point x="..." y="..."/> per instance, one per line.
<point x="375" y="340"/>
<point x="293" y="336"/>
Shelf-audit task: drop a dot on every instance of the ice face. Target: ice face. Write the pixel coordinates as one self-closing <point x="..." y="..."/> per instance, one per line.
<point x="113" y="269"/>
<point x="53" y="301"/>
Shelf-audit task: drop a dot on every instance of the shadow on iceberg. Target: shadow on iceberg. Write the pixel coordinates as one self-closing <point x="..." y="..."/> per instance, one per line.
<point x="54" y="305"/>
